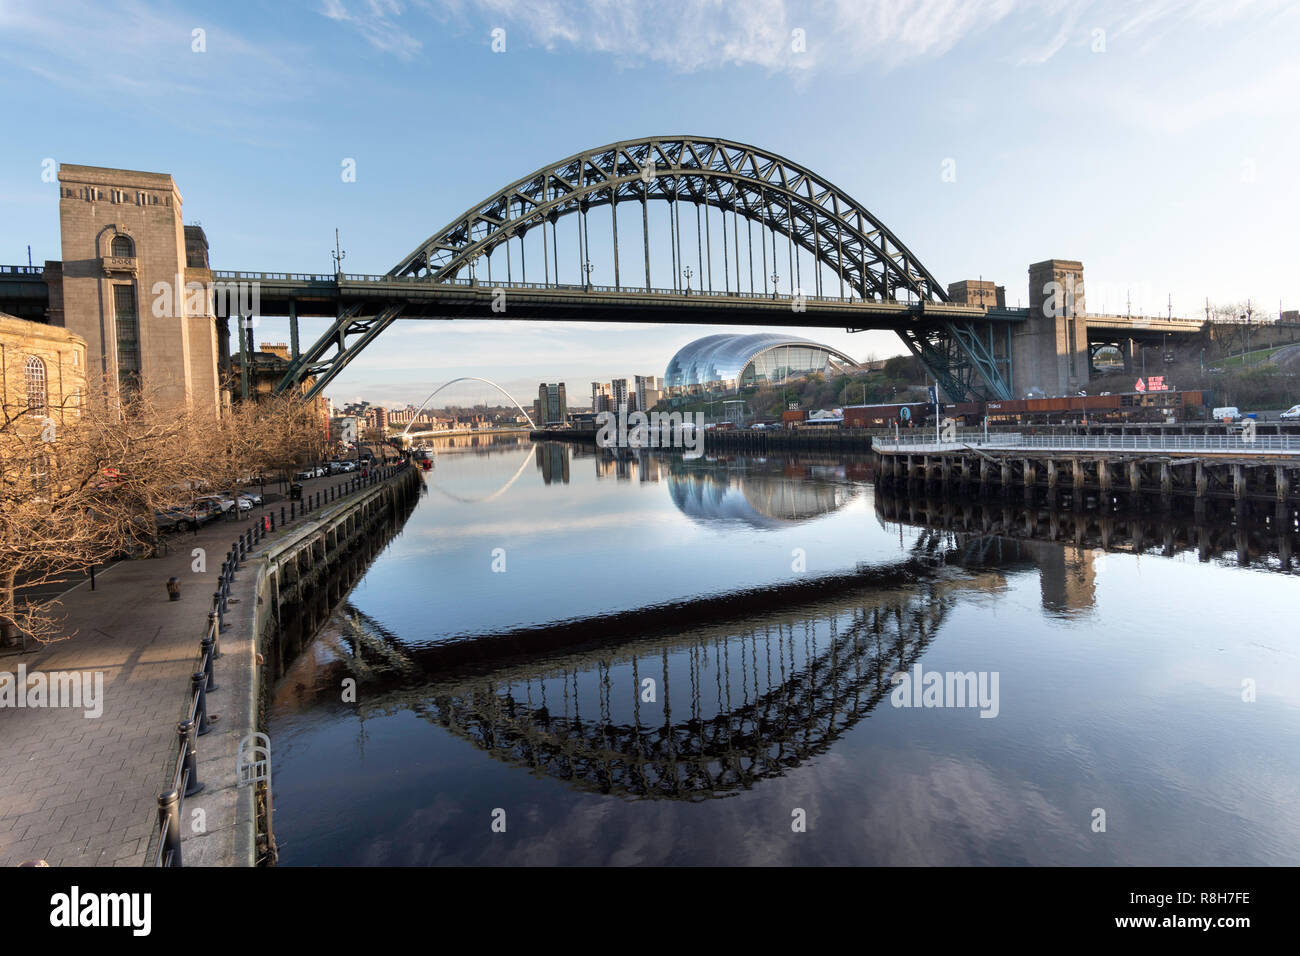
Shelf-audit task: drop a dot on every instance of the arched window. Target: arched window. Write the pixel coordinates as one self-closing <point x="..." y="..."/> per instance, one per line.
<point x="34" y="376"/>
<point x="123" y="246"/>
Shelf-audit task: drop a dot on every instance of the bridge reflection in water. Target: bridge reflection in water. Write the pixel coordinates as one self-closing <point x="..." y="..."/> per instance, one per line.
<point x="709" y="697"/>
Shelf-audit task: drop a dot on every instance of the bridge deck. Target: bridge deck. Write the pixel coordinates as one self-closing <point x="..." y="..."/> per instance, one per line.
<point x="421" y="298"/>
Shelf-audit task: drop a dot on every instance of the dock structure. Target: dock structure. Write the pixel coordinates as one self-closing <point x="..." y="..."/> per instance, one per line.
<point x="1106" y="470"/>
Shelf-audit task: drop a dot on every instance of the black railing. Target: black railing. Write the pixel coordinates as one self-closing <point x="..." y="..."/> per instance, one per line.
<point x="185" y="778"/>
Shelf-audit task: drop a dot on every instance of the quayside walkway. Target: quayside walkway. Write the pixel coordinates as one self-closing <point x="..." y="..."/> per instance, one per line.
<point x="79" y="790"/>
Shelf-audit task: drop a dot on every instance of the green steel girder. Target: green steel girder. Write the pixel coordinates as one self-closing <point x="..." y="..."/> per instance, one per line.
<point x="756" y="185"/>
<point x="348" y="335"/>
<point x="960" y="360"/>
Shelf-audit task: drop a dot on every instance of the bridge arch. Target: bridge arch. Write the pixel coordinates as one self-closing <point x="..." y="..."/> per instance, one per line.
<point x="801" y="211"/>
<point x="755" y="184"/>
<point x="467" y="378"/>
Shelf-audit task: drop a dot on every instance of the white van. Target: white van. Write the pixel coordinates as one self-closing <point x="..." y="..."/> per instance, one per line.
<point x="1228" y="412"/>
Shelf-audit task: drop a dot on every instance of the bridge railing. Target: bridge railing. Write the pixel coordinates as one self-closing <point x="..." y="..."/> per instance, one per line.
<point x="184" y="781"/>
<point x="22" y="270"/>
<point x="1262" y="444"/>
<point x="426" y="282"/>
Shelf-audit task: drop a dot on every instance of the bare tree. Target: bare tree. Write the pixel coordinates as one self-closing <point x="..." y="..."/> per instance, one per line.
<point x="81" y="483"/>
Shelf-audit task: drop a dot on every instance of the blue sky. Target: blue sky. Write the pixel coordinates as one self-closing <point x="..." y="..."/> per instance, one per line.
<point x="1156" y="142"/>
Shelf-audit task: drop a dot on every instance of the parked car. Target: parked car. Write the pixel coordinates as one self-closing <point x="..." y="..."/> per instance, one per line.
<point x="252" y="496"/>
<point x="1291" y="413"/>
<point x="184" y="519"/>
<point x="221" y="501"/>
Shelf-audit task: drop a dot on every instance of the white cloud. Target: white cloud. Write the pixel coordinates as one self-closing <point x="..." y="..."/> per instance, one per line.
<point x="377" y="22"/>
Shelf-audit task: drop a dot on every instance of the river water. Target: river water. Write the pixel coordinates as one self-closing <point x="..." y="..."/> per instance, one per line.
<point x="566" y="657"/>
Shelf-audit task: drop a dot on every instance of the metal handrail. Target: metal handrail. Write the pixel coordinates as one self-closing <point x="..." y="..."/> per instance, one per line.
<point x="1240" y="443"/>
<point x="573" y="287"/>
<point x="184" y="780"/>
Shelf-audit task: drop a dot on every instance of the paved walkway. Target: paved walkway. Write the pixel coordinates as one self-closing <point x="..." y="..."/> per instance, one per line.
<point x="82" y="791"/>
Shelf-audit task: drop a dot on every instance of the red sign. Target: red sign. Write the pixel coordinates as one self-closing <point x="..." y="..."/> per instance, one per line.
<point x="1141" y="386"/>
<point x="1156" y="383"/>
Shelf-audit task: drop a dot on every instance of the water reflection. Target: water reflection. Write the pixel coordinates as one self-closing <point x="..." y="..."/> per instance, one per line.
<point x="1266" y="541"/>
<point x="1121" y="676"/>
<point x="761" y="493"/>
<point x="688" y="713"/>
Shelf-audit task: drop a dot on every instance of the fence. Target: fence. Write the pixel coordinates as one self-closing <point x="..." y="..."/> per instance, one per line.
<point x="185" y="778"/>
<point x="1242" y="444"/>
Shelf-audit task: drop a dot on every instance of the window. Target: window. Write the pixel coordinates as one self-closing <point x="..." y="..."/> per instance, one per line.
<point x="34" y="377"/>
<point x="122" y="246"/>
<point x="127" y="323"/>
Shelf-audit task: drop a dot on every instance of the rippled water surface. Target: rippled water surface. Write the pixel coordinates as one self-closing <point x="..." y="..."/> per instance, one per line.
<point x="651" y="660"/>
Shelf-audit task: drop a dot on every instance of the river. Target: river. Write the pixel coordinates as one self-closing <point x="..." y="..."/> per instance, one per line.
<point x="567" y="657"/>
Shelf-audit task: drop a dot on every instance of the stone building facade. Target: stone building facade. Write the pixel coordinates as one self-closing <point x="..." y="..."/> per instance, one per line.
<point x="42" y="369"/>
<point x="136" y="286"/>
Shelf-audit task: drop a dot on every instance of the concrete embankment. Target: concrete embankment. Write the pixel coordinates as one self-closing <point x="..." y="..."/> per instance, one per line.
<point x="285" y="588"/>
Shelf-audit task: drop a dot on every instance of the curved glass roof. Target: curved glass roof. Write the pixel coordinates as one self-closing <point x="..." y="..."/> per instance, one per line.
<point x="721" y="358"/>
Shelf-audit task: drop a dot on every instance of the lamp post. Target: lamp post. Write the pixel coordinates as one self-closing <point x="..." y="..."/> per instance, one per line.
<point x="337" y="254"/>
<point x="688" y="272"/>
<point x="776" y="279"/>
<point x="587" y="267"/>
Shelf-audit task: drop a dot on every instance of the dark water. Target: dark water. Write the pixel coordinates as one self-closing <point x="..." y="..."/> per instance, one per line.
<point x="502" y="644"/>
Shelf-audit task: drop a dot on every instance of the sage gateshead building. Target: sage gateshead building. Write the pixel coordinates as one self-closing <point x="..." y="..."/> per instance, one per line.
<point x="730" y="362"/>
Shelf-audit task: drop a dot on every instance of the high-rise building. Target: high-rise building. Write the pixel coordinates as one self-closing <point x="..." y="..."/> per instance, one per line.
<point x="551" y="406"/>
<point x="600" y="397"/>
<point x="620" y="395"/>
<point x="649" y="391"/>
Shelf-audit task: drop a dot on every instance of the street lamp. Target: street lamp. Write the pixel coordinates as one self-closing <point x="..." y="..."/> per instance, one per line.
<point x="337" y="254"/>
<point x="776" y="280"/>
<point x="688" y="272"/>
<point x="587" y="267"/>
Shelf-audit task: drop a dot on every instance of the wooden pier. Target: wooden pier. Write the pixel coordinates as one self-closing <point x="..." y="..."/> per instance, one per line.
<point x="1102" y="470"/>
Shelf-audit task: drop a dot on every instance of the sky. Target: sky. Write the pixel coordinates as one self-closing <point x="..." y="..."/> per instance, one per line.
<point x="1154" y="141"/>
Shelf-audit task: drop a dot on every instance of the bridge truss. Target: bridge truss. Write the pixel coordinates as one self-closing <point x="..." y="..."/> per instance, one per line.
<point x="733" y="187"/>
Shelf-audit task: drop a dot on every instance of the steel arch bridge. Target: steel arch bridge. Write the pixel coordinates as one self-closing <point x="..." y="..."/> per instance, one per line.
<point x="862" y="275"/>
<point x="468" y="378"/>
